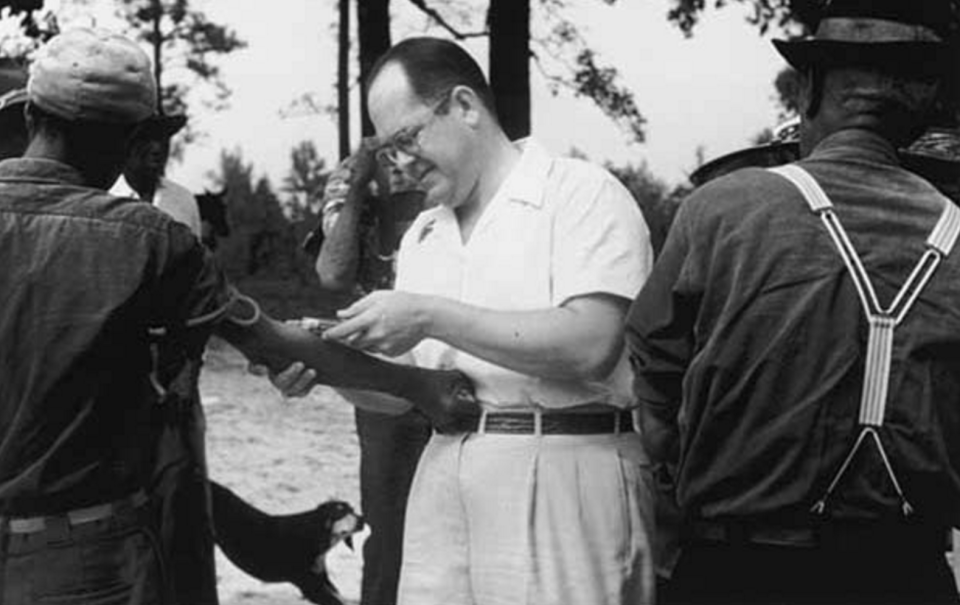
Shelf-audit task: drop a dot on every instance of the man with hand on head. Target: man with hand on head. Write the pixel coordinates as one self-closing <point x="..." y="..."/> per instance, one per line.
<point x="519" y="275"/>
<point x="796" y="347"/>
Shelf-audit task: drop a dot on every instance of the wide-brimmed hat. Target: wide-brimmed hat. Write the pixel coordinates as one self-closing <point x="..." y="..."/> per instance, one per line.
<point x="162" y="126"/>
<point x="911" y="34"/>
<point x="93" y="75"/>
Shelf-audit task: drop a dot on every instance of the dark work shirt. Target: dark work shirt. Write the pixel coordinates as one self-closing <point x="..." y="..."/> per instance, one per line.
<point x="750" y="338"/>
<point x="84" y="276"/>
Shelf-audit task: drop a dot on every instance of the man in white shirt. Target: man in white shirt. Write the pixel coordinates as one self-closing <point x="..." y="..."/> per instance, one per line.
<point x="520" y="277"/>
<point x="143" y="176"/>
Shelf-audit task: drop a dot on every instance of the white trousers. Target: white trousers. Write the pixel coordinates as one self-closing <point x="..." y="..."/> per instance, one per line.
<point x="539" y="520"/>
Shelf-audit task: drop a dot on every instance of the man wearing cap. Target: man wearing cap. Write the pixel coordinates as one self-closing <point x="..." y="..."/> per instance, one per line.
<point x="796" y="347"/>
<point x="180" y="483"/>
<point x="85" y="275"/>
<point x="103" y="305"/>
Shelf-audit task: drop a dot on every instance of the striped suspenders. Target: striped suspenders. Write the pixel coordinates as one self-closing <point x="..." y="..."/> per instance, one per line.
<point x="881" y="321"/>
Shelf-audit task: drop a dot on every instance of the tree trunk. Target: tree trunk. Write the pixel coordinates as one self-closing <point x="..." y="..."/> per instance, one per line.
<point x="509" y="25"/>
<point x="343" y="79"/>
<point x="373" y="31"/>
<point x="157" y="53"/>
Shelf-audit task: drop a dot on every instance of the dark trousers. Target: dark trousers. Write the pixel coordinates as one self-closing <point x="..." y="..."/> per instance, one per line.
<point x="114" y="561"/>
<point x="179" y="487"/>
<point x="390" y="447"/>
<point x="876" y="568"/>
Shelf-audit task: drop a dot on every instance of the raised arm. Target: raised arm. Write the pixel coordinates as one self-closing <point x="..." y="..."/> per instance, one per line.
<point x="344" y="199"/>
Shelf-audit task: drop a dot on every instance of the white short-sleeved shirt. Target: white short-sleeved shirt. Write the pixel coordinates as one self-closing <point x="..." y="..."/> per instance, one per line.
<point x="174" y="199"/>
<point x="557" y="229"/>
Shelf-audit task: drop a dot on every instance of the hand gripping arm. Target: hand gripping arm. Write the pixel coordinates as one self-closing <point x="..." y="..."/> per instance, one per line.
<point x="442" y="395"/>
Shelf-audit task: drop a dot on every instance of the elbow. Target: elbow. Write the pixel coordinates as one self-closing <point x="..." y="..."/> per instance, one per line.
<point x="334" y="280"/>
<point x="597" y="363"/>
<point x="334" y="284"/>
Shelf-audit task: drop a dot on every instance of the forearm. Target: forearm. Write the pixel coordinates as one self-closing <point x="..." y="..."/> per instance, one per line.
<point x="568" y="342"/>
<point x="442" y="395"/>
<point x="661" y="440"/>
<point x="661" y="435"/>
<point x="339" y="256"/>
<point x="376" y="402"/>
<point x="276" y="345"/>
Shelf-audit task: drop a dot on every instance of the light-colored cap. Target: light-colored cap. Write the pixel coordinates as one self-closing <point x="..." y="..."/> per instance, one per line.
<point x="93" y="75"/>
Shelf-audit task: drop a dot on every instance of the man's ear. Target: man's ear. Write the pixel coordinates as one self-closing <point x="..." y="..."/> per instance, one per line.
<point x="811" y="91"/>
<point x="29" y="119"/>
<point x="467" y="104"/>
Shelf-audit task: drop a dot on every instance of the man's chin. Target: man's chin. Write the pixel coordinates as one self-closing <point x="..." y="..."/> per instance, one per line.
<point x="435" y="195"/>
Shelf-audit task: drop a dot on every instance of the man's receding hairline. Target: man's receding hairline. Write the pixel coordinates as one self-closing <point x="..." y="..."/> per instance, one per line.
<point x="395" y="64"/>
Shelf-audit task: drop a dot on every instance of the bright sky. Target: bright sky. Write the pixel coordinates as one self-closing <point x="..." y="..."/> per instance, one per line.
<point x="715" y="89"/>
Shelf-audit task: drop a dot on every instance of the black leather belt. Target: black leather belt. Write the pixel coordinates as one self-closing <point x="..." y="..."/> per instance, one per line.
<point x="89" y="514"/>
<point x="557" y="423"/>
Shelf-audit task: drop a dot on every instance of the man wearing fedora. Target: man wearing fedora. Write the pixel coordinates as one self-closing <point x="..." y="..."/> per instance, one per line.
<point x="796" y="346"/>
<point x="144" y="175"/>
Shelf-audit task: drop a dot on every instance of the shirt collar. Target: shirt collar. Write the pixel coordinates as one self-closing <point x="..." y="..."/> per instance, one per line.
<point x="863" y="144"/>
<point x="525" y="183"/>
<point x="39" y="169"/>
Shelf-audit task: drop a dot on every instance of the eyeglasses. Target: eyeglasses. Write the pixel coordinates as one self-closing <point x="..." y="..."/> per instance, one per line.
<point x="408" y="140"/>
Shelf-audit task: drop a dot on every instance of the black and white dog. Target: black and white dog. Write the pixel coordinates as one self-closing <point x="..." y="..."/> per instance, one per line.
<point x="284" y="548"/>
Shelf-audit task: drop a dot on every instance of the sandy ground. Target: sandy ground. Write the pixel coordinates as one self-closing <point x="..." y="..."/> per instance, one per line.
<point x="283" y="456"/>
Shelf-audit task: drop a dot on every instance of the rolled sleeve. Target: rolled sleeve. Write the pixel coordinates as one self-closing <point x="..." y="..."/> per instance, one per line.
<point x="192" y="289"/>
<point x="330" y="214"/>
<point x="601" y="244"/>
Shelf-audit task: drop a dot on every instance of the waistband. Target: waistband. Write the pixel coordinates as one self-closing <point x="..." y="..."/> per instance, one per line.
<point x="547" y="423"/>
<point x="89" y="514"/>
<point x="742" y="531"/>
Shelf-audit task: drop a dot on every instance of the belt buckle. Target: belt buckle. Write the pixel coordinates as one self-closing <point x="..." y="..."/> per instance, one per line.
<point x="91" y="513"/>
<point x="63" y="521"/>
<point x="26" y="525"/>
